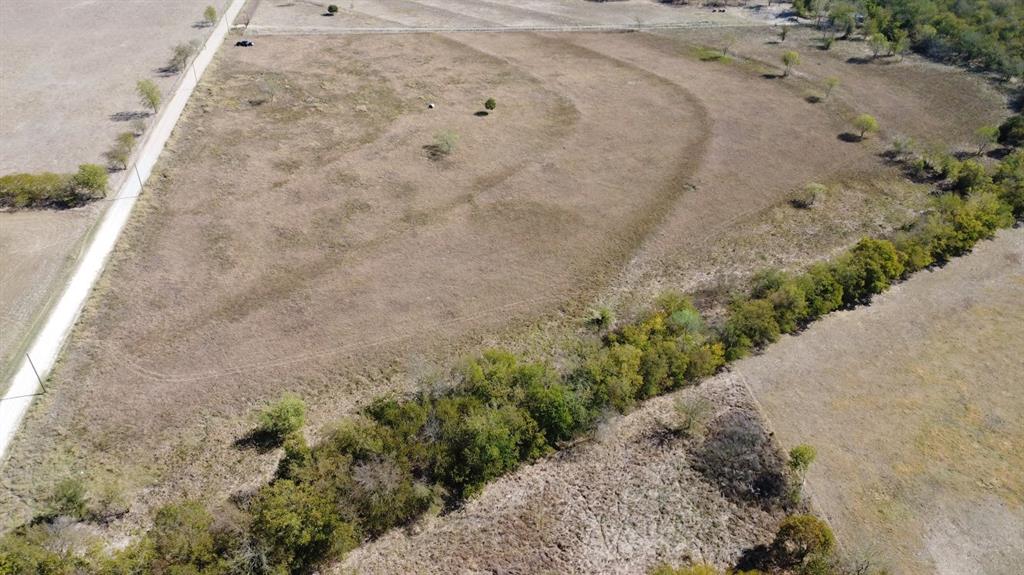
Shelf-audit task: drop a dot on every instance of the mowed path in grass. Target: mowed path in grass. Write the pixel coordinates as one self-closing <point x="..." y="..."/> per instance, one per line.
<point x="916" y="407"/>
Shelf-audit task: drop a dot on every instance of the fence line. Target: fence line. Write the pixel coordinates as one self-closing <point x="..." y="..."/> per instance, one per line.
<point x="48" y="341"/>
<point x="264" y="30"/>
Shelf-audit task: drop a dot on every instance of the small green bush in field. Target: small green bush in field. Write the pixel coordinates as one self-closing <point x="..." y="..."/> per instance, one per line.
<point x="800" y="537"/>
<point x="69" y="498"/>
<point x="801" y="457"/>
<point x="284" y="417"/>
<point x="490" y="104"/>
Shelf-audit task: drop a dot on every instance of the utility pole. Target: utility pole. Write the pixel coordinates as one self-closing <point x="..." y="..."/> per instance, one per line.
<point x="35" y="371"/>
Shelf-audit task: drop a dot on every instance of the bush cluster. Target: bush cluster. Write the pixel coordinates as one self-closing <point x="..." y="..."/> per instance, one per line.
<point x="49" y="190"/>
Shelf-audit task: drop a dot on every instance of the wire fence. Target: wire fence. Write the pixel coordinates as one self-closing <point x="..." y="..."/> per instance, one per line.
<point x="60" y="315"/>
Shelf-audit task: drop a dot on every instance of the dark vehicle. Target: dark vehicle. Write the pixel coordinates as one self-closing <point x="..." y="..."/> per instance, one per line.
<point x="244" y="43"/>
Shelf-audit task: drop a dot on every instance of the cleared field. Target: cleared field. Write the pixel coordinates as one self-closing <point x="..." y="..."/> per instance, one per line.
<point x="35" y="250"/>
<point x="277" y="17"/>
<point x="61" y="106"/>
<point x="915" y="407"/>
<point x="299" y="237"/>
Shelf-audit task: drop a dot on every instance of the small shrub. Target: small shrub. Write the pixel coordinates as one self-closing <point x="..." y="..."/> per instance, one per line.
<point x="830" y="86"/>
<point x="149" y="94"/>
<point x="490" y="104"/>
<point x="808" y="196"/>
<point x="601" y="318"/>
<point x="210" y="16"/>
<point x="181" y="535"/>
<point x="117" y="156"/>
<point x="69" y="498"/>
<point x="800" y="537"/>
<point x="865" y="124"/>
<point x="332" y="9"/>
<point x="282" y="418"/>
<point x="801" y="457"/>
<point x="970" y="177"/>
<point x="90" y="179"/>
<point x="789" y="60"/>
<point x="180" y="57"/>
<point x="985" y="136"/>
<point x="444" y="145"/>
<point x="298" y="525"/>
<point x="879" y="44"/>
<point x="692" y="416"/>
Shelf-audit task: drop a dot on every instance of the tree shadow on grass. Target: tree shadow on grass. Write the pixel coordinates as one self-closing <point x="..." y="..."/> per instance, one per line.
<point x="812" y="99"/>
<point x="482" y="113"/>
<point x="859" y="60"/>
<point x="772" y="76"/>
<point x="258" y="440"/>
<point x="128" y="116"/>
<point x="754" y="558"/>
<point x="849" y="138"/>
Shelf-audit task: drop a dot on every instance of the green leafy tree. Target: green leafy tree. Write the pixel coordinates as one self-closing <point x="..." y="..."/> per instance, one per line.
<point x="865" y="124"/>
<point x="879" y="44"/>
<point x="789" y="60"/>
<point x="181" y="535"/>
<point x="800" y="537"/>
<point x="985" y="137"/>
<point x="490" y="104"/>
<point x="149" y="94"/>
<point x="750" y="325"/>
<point x="299" y="526"/>
<point x="332" y="9"/>
<point x="801" y="457"/>
<point x="830" y="86"/>
<point x="210" y="15"/>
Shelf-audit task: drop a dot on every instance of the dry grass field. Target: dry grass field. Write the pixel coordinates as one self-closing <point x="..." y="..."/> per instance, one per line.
<point x="915" y="407"/>
<point x="60" y="106"/>
<point x="622" y="503"/>
<point x="299" y="236"/>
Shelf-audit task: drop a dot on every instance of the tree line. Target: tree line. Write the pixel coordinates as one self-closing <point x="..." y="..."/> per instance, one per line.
<point x="984" y="34"/>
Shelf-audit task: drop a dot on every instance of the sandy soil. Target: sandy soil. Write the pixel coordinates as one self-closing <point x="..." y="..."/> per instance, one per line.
<point x="623" y="503"/>
<point x="916" y="409"/>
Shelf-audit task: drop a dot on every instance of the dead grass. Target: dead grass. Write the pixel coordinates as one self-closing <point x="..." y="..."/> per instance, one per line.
<point x="299" y="238"/>
<point x="914" y="407"/>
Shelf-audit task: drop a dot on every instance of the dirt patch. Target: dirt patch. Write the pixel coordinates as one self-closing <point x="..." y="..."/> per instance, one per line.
<point x="914" y="406"/>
